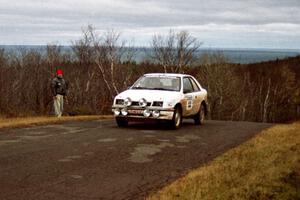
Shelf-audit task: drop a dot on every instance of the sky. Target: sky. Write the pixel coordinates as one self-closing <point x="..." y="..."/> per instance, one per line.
<point x="216" y="23"/>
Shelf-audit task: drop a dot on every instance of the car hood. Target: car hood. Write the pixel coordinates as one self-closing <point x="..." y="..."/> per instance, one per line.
<point x="149" y="95"/>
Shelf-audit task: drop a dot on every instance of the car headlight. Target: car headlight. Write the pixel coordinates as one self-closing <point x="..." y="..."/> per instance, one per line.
<point x="117" y="112"/>
<point x="127" y="102"/>
<point x="124" y="111"/>
<point x="119" y="101"/>
<point x="146" y="113"/>
<point x="155" y="113"/>
<point x="142" y="102"/>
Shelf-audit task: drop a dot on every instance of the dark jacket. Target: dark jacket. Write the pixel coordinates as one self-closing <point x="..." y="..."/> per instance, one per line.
<point x="59" y="86"/>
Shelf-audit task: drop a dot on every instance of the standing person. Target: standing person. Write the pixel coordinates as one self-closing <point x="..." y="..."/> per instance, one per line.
<point x="59" y="87"/>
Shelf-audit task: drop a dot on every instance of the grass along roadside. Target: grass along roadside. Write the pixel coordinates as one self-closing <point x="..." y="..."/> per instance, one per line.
<point x="266" y="167"/>
<point x="32" y="121"/>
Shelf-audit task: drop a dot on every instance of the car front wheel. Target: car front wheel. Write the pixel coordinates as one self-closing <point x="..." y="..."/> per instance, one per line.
<point x="177" y="118"/>
<point x="122" y="122"/>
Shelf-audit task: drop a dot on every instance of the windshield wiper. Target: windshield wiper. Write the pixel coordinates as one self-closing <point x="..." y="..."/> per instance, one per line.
<point x="158" y="88"/>
<point x="138" y="87"/>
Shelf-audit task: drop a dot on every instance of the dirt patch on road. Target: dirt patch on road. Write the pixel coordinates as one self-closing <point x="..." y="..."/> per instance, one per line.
<point x="107" y="140"/>
<point x="187" y="138"/>
<point x="143" y="152"/>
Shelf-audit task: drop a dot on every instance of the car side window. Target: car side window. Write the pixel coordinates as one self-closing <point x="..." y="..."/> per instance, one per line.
<point x="195" y="86"/>
<point x="187" y="86"/>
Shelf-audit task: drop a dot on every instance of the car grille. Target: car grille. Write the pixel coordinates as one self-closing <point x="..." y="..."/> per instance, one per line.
<point x="157" y="103"/>
<point x="136" y="103"/>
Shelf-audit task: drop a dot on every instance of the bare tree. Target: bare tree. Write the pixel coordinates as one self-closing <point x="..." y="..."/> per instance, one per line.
<point x="53" y="56"/>
<point x="83" y="48"/>
<point x="219" y="79"/>
<point x="175" y="51"/>
<point x="107" y="52"/>
<point x="108" y="56"/>
<point x="84" y="52"/>
<point x="164" y="50"/>
<point x="110" y="53"/>
<point x="3" y="64"/>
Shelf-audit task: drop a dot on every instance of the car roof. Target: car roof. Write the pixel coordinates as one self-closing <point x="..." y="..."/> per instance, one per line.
<point x="166" y="74"/>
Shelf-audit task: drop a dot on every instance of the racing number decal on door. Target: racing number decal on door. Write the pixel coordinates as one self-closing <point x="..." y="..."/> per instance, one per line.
<point x="189" y="104"/>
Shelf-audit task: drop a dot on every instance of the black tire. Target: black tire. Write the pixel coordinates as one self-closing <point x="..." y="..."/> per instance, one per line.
<point x="200" y="116"/>
<point x="176" y="122"/>
<point x="122" y="122"/>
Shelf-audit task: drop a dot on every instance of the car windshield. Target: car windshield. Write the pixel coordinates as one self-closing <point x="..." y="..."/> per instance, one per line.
<point x="158" y="83"/>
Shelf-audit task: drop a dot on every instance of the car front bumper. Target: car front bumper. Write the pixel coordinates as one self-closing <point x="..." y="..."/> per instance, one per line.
<point x="137" y="112"/>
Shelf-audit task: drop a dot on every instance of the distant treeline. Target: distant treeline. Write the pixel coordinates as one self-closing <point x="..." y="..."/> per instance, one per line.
<point x="241" y="56"/>
<point x="98" y="68"/>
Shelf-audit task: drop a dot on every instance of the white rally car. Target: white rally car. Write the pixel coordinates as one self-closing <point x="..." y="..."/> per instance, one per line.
<point x="162" y="96"/>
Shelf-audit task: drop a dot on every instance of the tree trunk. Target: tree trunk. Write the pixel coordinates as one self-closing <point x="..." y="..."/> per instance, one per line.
<point x="266" y="103"/>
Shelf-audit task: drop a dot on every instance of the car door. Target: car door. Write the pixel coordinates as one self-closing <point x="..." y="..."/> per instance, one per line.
<point x="188" y="105"/>
<point x="197" y="96"/>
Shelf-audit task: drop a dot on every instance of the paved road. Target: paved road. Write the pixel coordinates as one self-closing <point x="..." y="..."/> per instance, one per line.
<point x="98" y="160"/>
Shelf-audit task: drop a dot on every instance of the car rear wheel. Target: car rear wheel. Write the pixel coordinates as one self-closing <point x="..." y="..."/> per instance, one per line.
<point x="200" y="116"/>
<point x="177" y="118"/>
<point x="122" y="122"/>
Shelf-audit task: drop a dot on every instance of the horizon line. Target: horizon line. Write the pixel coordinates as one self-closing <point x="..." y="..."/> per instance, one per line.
<point x="204" y="47"/>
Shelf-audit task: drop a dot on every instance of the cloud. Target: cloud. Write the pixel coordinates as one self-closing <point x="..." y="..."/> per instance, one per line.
<point x="214" y="21"/>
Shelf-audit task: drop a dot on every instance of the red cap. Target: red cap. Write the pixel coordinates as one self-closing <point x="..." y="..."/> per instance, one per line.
<point x="59" y="72"/>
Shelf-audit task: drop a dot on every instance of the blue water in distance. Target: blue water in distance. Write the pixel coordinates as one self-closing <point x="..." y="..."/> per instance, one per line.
<point x="242" y="56"/>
